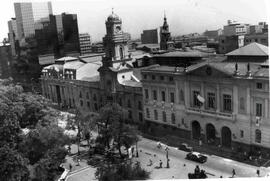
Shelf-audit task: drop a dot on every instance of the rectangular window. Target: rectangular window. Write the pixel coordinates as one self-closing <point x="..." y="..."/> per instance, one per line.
<point x="153" y="77"/>
<point x="259" y="85"/>
<point x="172" y="97"/>
<point x="144" y="76"/>
<point x="147" y="113"/>
<point x="129" y="114"/>
<point x="170" y="78"/>
<point x="155" y="114"/>
<point x="211" y="100"/>
<point x="128" y="104"/>
<point x="163" y="96"/>
<point x="154" y="94"/>
<point x="139" y="105"/>
<point x="81" y="102"/>
<point x="88" y="104"/>
<point x="227" y="102"/>
<point x="241" y="133"/>
<point x="164" y="116"/>
<point x="161" y="77"/>
<point x="140" y="117"/>
<point x="196" y="102"/>
<point x="258" y="109"/>
<point x="146" y="93"/>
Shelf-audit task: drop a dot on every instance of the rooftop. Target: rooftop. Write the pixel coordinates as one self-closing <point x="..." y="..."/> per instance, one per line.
<point x="182" y="54"/>
<point x="252" y="49"/>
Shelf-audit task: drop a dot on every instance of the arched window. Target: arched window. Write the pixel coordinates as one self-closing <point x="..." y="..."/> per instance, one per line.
<point x="242" y="103"/>
<point x="156" y="114"/>
<point x="258" y="136"/>
<point x="87" y="95"/>
<point x="121" y="53"/>
<point x="164" y="116"/>
<point x="95" y="97"/>
<point x="80" y="94"/>
<point x="173" y="118"/>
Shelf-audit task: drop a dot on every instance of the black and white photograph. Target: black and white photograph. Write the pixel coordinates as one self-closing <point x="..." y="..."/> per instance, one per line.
<point x="111" y="90"/>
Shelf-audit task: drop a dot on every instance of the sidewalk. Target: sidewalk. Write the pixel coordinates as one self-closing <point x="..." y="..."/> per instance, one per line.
<point x="207" y="148"/>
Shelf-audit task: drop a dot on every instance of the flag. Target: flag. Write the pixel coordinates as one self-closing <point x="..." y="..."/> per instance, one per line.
<point x="200" y="98"/>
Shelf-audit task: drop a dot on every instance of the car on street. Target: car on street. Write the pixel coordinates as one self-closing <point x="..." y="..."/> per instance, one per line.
<point x="185" y="147"/>
<point x="197" y="157"/>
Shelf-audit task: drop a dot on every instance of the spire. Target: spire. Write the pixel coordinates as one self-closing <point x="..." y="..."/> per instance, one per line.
<point x="165" y="24"/>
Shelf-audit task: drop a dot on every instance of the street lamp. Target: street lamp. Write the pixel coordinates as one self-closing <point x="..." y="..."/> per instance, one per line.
<point x="167" y="156"/>
<point x="137" y="153"/>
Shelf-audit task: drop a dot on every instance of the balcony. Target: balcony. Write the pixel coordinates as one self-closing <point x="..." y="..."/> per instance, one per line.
<point x="210" y="113"/>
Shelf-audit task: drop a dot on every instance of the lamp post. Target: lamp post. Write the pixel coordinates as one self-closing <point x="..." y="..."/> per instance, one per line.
<point x="167" y="156"/>
<point x="137" y="153"/>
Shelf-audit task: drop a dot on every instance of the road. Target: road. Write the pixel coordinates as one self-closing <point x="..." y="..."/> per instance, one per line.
<point x="180" y="167"/>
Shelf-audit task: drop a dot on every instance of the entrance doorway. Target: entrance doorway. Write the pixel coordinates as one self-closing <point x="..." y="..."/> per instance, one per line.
<point x="196" y="130"/>
<point x="210" y="133"/>
<point x="226" y="136"/>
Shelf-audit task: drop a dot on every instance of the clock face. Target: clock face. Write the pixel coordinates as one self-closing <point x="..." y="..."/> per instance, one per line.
<point x="118" y="29"/>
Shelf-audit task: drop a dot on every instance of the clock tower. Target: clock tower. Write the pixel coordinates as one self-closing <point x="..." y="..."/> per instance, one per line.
<point x="115" y="43"/>
<point x="166" y="42"/>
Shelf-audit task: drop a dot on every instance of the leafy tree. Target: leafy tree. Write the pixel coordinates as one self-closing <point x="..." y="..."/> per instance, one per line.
<point x="13" y="166"/>
<point x="112" y="128"/>
<point x="125" y="170"/>
<point x="38" y="142"/>
<point x="84" y="124"/>
<point x="47" y="168"/>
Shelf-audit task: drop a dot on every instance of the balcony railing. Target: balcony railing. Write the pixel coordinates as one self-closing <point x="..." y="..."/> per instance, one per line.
<point x="215" y="114"/>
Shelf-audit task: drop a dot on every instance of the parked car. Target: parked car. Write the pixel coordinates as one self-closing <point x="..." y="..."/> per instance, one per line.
<point x="185" y="147"/>
<point x="197" y="157"/>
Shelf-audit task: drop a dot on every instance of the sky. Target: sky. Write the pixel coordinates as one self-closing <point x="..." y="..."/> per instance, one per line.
<point x="183" y="16"/>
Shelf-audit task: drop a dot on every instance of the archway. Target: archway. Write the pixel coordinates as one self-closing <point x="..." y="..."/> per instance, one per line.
<point x="226" y="136"/>
<point x="210" y="133"/>
<point x="196" y="130"/>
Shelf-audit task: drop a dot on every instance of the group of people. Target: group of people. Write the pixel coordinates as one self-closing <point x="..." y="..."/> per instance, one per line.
<point x="198" y="173"/>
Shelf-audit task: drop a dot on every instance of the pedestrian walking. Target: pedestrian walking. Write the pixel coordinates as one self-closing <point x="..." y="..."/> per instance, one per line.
<point x="197" y="170"/>
<point x="233" y="173"/>
<point x="258" y="172"/>
<point x="160" y="164"/>
<point x="79" y="161"/>
<point x="132" y="151"/>
<point x="69" y="149"/>
<point x="70" y="167"/>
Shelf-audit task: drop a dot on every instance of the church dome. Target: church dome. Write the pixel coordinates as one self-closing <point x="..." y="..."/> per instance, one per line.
<point x="113" y="17"/>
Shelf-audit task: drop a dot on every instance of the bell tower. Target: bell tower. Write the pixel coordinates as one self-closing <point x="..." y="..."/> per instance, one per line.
<point x="165" y="36"/>
<point x="115" y="43"/>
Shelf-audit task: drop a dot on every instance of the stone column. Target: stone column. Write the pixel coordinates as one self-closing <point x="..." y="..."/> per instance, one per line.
<point x="248" y="101"/>
<point x="235" y="99"/>
<point x="218" y="98"/>
<point x="202" y="94"/>
<point x="177" y="98"/>
<point x="186" y="94"/>
<point x="266" y="108"/>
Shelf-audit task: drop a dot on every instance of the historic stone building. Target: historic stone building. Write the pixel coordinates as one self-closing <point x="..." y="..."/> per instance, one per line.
<point x="220" y="103"/>
<point x="89" y="84"/>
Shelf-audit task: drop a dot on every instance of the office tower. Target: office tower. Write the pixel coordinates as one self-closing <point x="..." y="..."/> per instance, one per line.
<point x="13" y="35"/>
<point x="85" y="43"/>
<point x="29" y="15"/>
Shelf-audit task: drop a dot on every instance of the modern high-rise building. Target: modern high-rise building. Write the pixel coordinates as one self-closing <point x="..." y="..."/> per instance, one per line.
<point x="12" y="35"/>
<point x="85" y="43"/>
<point x="28" y="16"/>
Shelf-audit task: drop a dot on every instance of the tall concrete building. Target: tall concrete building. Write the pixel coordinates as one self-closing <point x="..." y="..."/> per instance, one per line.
<point x="85" y="43"/>
<point x="151" y="36"/>
<point x="13" y="35"/>
<point x="28" y="16"/>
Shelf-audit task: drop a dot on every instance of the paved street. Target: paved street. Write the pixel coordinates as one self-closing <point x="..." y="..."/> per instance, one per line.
<point x="215" y="166"/>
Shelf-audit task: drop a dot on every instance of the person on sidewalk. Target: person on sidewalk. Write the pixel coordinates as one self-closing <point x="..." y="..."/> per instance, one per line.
<point x="70" y="167"/>
<point x="197" y="170"/>
<point x="160" y="164"/>
<point x="258" y="172"/>
<point x="233" y="173"/>
<point x="150" y="162"/>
